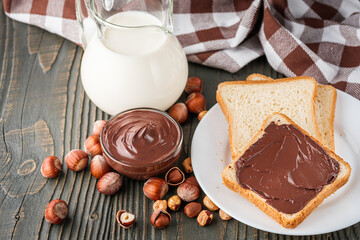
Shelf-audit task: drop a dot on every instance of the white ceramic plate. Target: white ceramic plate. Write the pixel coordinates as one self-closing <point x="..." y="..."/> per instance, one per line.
<point x="210" y="153"/>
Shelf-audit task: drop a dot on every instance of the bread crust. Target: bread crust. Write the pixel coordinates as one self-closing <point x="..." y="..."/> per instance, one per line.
<point x="286" y="220"/>
<point x="257" y="77"/>
<point x="332" y="113"/>
<point x="228" y="116"/>
<point x="333" y="108"/>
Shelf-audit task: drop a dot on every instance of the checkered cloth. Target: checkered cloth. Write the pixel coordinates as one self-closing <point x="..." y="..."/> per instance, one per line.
<point x="320" y="39"/>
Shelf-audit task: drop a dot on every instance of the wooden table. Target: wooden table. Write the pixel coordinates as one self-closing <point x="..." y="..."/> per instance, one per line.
<point x="44" y="111"/>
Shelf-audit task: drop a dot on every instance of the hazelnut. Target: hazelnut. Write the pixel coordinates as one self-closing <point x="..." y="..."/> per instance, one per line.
<point x="174" y="203"/>
<point x="92" y="145"/>
<point x="125" y="219"/>
<point x="160" y="219"/>
<point x="174" y="176"/>
<point x="155" y="188"/>
<point x="98" y="126"/>
<point x="76" y="160"/>
<point x="188" y="192"/>
<point x="193" y="84"/>
<point x="205" y="217"/>
<point x="99" y="166"/>
<point x="160" y="204"/>
<point x="51" y="167"/>
<point x="56" y="211"/>
<point x="209" y="204"/>
<point x="192" y="209"/>
<point x="110" y="183"/>
<point x="187" y="166"/>
<point x="196" y="103"/>
<point x="202" y="114"/>
<point x="179" y="112"/>
<point x="223" y="215"/>
<point x="192" y="180"/>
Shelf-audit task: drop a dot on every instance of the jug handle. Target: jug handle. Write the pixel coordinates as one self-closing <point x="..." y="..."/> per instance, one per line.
<point x="168" y="25"/>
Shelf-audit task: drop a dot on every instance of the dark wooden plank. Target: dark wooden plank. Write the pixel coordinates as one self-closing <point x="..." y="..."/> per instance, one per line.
<point x="44" y="111"/>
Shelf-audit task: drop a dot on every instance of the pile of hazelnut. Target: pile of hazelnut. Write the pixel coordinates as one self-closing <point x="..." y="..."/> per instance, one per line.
<point x="188" y="190"/>
<point x="195" y="102"/>
<point x="76" y="160"/>
<point x="155" y="188"/>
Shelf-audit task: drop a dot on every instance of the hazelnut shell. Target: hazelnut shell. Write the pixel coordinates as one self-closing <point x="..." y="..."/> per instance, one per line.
<point x="51" y="167"/>
<point x="118" y="219"/>
<point x="196" y="102"/>
<point x="179" y="112"/>
<point x="98" y="126"/>
<point x="92" y="145"/>
<point x="155" y="188"/>
<point x="174" y="176"/>
<point x="160" y="224"/>
<point x="193" y="84"/>
<point x="110" y="183"/>
<point x="76" y="160"/>
<point x="99" y="166"/>
<point x="56" y="211"/>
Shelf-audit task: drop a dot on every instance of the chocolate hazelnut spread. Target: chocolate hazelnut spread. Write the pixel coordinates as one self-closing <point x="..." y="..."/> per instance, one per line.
<point x="141" y="137"/>
<point x="286" y="167"/>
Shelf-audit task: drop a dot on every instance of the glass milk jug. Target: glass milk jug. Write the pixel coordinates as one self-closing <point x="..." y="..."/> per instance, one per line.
<point x="131" y="57"/>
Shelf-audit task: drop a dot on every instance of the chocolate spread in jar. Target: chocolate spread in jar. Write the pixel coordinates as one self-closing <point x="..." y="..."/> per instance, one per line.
<point x="141" y="137"/>
<point x="286" y="167"/>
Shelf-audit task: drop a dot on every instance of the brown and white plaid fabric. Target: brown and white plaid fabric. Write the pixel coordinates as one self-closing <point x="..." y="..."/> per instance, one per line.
<point x="320" y="38"/>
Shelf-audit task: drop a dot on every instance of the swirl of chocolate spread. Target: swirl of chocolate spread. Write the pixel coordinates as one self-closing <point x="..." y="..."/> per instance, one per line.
<point x="286" y="167"/>
<point x="141" y="137"/>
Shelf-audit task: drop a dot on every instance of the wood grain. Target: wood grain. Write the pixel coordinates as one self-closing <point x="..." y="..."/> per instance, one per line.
<point x="45" y="111"/>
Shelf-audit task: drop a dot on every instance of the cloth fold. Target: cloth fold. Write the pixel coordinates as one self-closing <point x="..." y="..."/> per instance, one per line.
<point x="320" y="38"/>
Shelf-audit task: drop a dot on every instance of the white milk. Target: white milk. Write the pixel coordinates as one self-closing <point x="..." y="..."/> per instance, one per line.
<point x="134" y="67"/>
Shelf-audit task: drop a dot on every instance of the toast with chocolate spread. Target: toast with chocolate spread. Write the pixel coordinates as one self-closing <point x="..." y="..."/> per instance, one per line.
<point x="285" y="172"/>
<point x="246" y="104"/>
<point x="325" y="102"/>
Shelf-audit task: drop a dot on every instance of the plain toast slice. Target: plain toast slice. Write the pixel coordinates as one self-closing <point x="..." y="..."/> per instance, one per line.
<point x="246" y="104"/>
<point x="286" y="220"/>
<point x="325" y="102"/>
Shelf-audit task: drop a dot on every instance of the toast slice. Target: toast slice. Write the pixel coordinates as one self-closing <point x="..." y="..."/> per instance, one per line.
<point x="285" y="219"/>
<point x="325" y="102"/>
<point x="246" y="104"/>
